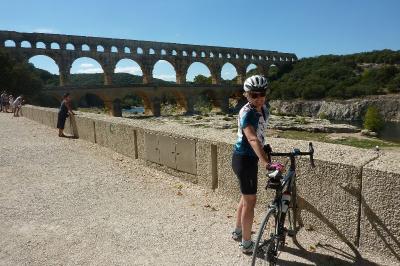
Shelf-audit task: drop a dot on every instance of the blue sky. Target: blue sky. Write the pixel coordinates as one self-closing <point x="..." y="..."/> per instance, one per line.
<point x="305" y="27"/>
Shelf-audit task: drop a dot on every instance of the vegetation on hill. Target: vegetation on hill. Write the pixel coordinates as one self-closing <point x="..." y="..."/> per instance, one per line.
<point x="327" y="76"/>
<point x="120" y="79"/>
<point x="339" y="77"/>
<point x="18" y="77"/>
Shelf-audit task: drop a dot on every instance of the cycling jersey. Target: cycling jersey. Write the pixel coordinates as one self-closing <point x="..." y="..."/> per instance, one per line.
<point x="248" y="115"/>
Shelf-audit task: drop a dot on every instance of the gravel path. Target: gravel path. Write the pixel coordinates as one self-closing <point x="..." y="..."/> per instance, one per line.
<point x="70" y="202"/>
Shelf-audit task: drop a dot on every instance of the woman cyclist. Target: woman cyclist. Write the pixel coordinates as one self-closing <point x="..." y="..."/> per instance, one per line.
<point x="248" y="151"/>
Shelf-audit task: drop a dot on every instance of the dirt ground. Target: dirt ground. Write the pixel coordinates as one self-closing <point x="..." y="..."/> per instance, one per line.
<point x="71" y="202"/>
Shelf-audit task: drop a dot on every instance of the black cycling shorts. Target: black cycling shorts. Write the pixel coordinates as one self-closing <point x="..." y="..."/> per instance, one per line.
<point x="246" y="169"/>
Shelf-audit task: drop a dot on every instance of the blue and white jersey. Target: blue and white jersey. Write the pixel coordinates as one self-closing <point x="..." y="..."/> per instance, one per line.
<point x="248" y="115"/>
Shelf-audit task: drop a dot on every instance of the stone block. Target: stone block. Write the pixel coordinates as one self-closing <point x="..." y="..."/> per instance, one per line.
<point x="26" y="111"/>
<point x="84" y="128"/>
<point x="380" y="206"/>
<point x="116" y="136"/>
<point x="329" y="194"/>
<point x="328" y="198"/>
<point x="140" y="144"/>
<point x="227" y="181"/>
<point x="205" y="163"/>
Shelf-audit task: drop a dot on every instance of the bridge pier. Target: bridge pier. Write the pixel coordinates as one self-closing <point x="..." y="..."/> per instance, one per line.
<point x="241" y="74"/>
<point x="108" y="68"/>
<point x="147" y="69"/>
<point x="187" y="105"/>
<point x="189" y="110"/>
<point x="180" y="78"/>
<point x="108" y="78"/>
<point x="156" y="106"/>
<point x="221" y="104"/>
<point x="64" y="78"/>
<point x="64" y="71"/>
<point x="181" y="68"/>
<point x="152" y="105"/>
<point x="114" y="107"/>
<point x="215" y="71"/>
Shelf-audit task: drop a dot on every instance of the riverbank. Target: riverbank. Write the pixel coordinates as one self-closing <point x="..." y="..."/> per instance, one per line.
<point x="341" y="110"/>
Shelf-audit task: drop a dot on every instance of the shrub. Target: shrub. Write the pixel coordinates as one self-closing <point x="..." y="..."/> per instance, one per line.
<point x="394" y="85"/>
<point x="373" y="120"/>
<point x="301" y="120"/>
<point x="322" y="115"/>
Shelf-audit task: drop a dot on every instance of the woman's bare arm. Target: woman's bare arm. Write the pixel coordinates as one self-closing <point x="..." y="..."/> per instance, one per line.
<point x="69" y="106"/>
<point x="256" y="145"/>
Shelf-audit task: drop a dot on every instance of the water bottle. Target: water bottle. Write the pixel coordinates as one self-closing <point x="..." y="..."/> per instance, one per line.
<point x="285" y="201"/>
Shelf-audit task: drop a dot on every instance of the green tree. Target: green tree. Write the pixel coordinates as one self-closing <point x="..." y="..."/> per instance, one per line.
<point x="18" y="77"/>
<point x="200" y="79"/>
<point x="373" y="120"/>
<point x="394" y="84"/>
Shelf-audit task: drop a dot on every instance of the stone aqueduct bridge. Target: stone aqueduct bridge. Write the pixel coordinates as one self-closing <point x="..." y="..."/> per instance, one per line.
<point x="65" y="49"/>
<point x="151" y="95"/>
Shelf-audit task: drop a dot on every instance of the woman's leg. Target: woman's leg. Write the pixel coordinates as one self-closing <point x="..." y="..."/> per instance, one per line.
<point x="239" y="213"/>
<point x="61" y="124"/>
<point x="249" y="202"/>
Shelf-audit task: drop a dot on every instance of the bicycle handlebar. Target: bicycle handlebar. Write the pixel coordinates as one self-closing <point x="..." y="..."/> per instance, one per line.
<point x="295" y="152"/>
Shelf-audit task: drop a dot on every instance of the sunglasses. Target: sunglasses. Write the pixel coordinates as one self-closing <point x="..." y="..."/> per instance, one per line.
<point x="257" y="94"/>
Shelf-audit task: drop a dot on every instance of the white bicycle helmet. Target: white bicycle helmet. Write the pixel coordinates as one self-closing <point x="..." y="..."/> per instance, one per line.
<point x="256" y="83"/>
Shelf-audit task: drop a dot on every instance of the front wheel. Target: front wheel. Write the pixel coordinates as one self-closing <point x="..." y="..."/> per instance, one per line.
<point x="267" y="243"/>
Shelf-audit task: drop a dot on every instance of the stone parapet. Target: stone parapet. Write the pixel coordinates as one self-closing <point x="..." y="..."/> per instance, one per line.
<point x="352" y="194"/>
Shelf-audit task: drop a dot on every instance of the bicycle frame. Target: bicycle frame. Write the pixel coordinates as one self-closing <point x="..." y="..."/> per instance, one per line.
<point x="276" y="238"/>
<point x="287" y="185"/>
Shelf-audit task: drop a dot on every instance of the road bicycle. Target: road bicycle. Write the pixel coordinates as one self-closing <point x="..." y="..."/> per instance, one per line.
<point x="272" y="233"/>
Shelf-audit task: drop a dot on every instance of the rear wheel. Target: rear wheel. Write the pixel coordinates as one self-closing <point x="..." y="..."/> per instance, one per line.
<point x="267" y="243"/>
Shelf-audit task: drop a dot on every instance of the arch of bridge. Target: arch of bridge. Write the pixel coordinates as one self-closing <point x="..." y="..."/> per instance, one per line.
<point x="181" y="56"/>
<point x="152" y="95"/>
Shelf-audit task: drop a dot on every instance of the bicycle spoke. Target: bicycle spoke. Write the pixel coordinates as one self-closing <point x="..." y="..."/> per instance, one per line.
<point x="267" y="241"/>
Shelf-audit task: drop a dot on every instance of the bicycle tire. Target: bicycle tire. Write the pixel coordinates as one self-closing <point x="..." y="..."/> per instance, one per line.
<point x="269" y="252"/>
<point x="292" y="213"/>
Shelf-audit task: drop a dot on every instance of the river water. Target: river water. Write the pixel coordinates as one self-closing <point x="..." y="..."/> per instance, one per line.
<point x="134" y="110"/>
<point x="390" y="131"/>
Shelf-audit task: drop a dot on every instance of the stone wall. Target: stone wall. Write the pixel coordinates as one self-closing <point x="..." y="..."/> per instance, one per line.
<point x="352" y="194"/>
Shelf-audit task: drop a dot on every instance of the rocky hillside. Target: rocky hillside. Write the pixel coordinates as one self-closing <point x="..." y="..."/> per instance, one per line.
<point x="350" y="110"/>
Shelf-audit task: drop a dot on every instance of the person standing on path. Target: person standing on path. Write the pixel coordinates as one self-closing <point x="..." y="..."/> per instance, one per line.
<point x="3" y="93"/>
<point x="17" y="105"/>
<point x="4" y="101"/>
<point x="63" y="113"/>
<point x="248" y="151"/>
<point x="10" y="103"/>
